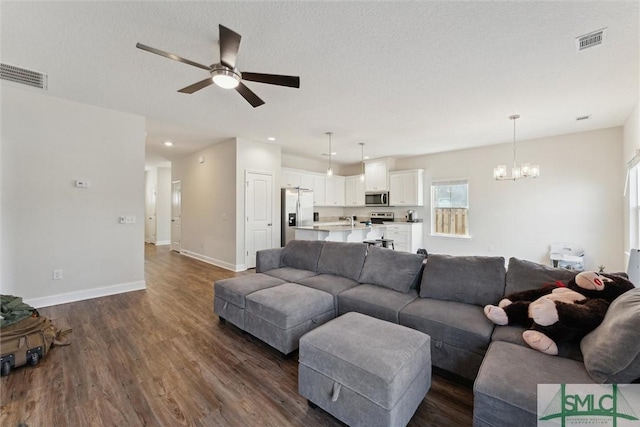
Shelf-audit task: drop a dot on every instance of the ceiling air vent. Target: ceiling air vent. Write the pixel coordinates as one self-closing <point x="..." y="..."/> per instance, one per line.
<point x="27" y="77"/>
<point x="590" y="40"/>
<point x="583" y="117"/>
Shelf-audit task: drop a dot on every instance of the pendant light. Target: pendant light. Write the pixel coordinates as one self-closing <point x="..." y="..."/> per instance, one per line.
<point x="330" y="169"/>
<point x="526" y="170"/>
<point x="362" y="160"/>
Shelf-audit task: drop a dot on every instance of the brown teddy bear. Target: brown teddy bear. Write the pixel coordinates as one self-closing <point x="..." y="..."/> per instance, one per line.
<point x="559" y="313"/>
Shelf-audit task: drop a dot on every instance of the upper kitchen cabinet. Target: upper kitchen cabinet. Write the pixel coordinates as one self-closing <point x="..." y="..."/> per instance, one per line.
<point x="334" y="191"/>
<point x="291" y="178"/>
<point x="377" y="174"/>
<point x="318" y="187"/>
<point x="406" y="188"/>
<point x="354" y="191"/>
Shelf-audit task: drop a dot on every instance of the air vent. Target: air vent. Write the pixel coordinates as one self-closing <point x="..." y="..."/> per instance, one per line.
<point x="590" y="40"/>
<point x="24" y="76"/>
<point x="583" y="117"/>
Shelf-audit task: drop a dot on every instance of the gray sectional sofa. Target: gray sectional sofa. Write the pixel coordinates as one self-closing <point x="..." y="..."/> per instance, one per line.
<point x="442" y="297"/>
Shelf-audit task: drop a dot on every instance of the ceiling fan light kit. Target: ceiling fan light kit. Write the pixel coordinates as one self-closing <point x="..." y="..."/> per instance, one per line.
<point x="225" y="74"/>
<point x="225" y="77"/>
<point x="526" y="170"/>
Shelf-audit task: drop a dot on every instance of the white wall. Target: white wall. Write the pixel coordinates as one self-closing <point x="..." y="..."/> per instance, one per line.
<point x="631" y="143"/>
<point x="577" y="199"/>
<point x="209" y="203"/>
<point x="47" y="223"/>
<point x="256" y="157"/>
<point x="213" y="199"/>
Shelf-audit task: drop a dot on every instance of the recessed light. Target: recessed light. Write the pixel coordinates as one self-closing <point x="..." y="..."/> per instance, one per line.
<point x="168" y="143"/>
<point x="333" y="153"/>
<point x="366" y="157"/>
<point x="271" y="138"/>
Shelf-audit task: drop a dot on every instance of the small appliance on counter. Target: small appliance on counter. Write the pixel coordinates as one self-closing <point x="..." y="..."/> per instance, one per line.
<point x="412" y="216"/>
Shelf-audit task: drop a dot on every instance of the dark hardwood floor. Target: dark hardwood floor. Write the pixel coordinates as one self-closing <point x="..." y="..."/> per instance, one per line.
<point x="160" y="357"/>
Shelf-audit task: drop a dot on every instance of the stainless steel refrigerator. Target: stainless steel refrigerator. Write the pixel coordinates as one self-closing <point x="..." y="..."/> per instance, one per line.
<point x="297" y="210"/>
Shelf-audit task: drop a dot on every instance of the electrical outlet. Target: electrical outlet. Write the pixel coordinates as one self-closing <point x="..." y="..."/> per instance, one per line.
<point x="123" y="220"/>
<point x="57" y="274"/>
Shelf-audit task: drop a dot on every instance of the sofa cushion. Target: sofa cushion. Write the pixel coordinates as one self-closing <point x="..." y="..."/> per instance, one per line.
<point x="498" y="401"/>
<point x="331" y="284"/>
<point x="290" y="274"/>
<point x="523" y="275"/>
<point x="459" y="324"/>
<point x="375" y="301"/>
<point x="475" y="280"/>
<point x="342" y="259"/>
<point x="302" y="254"/>
<point x="392" y="269"/>
<point x="612" y="350"/>
<point x="513" y="334"/>
<point x="236" y="289"/>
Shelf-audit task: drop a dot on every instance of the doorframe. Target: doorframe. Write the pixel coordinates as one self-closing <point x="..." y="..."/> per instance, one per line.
<point x="246" y="203"/>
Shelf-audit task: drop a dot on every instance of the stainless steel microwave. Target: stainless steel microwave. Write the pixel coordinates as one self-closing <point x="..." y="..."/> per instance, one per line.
<point x="376" y="198"/>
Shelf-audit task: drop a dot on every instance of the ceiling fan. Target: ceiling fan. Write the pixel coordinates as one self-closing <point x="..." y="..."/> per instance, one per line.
<point x="225" y="74"/>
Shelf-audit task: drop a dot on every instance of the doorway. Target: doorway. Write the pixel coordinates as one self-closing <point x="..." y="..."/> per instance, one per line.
<point x="176" y="215"/>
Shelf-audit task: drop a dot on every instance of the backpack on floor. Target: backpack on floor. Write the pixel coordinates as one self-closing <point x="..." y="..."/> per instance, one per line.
<point x="25" y="336"/>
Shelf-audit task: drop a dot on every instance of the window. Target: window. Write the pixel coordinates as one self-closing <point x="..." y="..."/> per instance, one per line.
<point x="449" y="208"/>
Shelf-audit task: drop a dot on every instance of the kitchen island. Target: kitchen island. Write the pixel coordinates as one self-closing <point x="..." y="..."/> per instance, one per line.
<point x="341" y="233"/>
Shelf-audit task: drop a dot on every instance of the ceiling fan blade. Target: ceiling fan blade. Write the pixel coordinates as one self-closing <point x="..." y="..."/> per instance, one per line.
<point x="229" y="46"/>
<point x="170" y="56"/>
<point x="248" y="94"/>
<point x="272" y="79"/>
<point x="197" y="86"/>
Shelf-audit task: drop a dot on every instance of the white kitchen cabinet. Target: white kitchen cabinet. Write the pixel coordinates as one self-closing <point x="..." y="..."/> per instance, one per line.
<point x="354" y="191"/>
<point x="334" y="190"/>
<point x="406" y="188"/>
<point x="290" y="178"/>
<point x="406" y="236"/>
<point x="377" y="175"/>
<point x="319" y="193"/>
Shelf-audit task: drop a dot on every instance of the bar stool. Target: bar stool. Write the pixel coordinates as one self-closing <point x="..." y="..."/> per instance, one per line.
<point x="372" y="243"/>
<point x="386" y="243"/>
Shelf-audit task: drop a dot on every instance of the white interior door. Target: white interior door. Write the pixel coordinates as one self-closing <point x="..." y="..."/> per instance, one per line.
<point x="176" y="215"/>
<point x="259" y="215"/>
<point x="150" y="223"/>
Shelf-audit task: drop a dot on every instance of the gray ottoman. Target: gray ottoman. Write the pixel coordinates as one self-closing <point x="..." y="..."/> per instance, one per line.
<point x="280" y="315"/>
<point x="230" y="295"/>
<point x="365" y="371"/>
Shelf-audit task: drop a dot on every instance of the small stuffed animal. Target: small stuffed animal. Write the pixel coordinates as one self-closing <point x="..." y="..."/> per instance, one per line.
<point x="559" y="313"/>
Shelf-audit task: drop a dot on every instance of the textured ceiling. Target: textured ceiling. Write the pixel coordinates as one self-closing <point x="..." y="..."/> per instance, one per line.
<point x="406" y="78"/>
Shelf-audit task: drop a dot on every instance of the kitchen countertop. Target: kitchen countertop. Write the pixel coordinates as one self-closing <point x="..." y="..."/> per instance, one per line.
<point x="343" y="227"/>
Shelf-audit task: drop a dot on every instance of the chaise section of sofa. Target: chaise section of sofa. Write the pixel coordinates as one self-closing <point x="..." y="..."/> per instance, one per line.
<point x="453" y="293"/>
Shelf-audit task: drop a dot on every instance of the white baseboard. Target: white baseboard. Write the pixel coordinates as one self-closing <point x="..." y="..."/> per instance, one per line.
<point x="86" y="294"/>
<point x="163" y="242"/>
<point x="213" y="261"/>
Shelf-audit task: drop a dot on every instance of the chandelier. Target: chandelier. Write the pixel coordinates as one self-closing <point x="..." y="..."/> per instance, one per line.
<point x="525" y="170"/>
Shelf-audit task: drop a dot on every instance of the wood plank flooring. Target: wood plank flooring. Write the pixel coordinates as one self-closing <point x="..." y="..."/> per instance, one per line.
<point x="160" y="357"/>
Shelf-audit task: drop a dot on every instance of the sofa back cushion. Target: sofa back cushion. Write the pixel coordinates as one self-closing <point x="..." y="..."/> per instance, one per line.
<point x="475" y="280"/>
<point x="524" y="275"/>
<point x="302" y="254"/>
<point x="342" y="259"/>
<point x="612" y="351"/>
<point x="392" y="269"/>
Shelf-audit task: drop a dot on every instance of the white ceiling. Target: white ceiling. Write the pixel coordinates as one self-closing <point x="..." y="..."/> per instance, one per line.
<point x="406" y="78"/>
